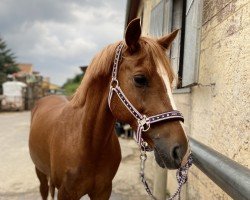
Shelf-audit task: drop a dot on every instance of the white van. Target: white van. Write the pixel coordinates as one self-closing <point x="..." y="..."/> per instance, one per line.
<point x="13" y="95"/>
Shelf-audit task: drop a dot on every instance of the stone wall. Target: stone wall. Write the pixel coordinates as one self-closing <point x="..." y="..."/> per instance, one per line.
<point x="217" y="109"/>
<point x="220" y="104"/>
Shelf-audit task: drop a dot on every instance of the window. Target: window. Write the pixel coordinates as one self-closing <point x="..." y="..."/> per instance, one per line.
<point x="193" y="16"/>
<point x="169" y="15"/>
<point x="156" y="20"/>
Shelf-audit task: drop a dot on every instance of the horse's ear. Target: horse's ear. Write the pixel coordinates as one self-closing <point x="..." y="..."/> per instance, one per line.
<point x="167" y="40"/>
<point x="132" y="34"/>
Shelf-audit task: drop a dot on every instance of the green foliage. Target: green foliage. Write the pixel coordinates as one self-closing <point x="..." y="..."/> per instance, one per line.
<point x="72" y="84"/>
<point x="3" y="78"/>
<point x="70" y="88"/>
<point x="12" y="69"/>
<point x="7" y="59"/>
<point x="7" y="63"/>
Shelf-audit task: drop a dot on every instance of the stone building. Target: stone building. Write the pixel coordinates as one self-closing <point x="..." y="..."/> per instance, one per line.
<point x="210" y="57"/>
<point x="33" y="79"/>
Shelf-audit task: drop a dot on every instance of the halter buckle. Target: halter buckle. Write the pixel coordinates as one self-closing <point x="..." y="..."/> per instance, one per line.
<point x="114" y="83"/>
<point x="144" y="123"/>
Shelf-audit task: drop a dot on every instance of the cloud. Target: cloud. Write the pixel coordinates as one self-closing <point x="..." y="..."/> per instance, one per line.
<point x="60" y="35"/>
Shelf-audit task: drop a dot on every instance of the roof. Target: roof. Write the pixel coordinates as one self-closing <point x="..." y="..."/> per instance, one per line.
<point x="47" y="85"/>
<point x="131" y="10"/>
<point x="84" y="68"/>
<point x="53" y="86"/>
<point x="25" y="68"/>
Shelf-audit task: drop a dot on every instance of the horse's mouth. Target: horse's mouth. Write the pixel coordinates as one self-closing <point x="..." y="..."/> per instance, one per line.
<point x="164" y="161"/>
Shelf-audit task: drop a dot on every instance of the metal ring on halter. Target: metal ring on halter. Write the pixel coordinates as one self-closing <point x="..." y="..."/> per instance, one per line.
<point x="144" y="146"/>
<point x="114" y="83"/>
<point x="144" y="123"/>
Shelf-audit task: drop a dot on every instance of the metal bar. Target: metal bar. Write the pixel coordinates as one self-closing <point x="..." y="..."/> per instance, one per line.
<point x="230" y="176"/>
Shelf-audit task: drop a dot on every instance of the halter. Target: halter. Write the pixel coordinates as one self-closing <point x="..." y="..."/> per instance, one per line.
<point x="143" y="121"/>
<point x="144" y="124"/>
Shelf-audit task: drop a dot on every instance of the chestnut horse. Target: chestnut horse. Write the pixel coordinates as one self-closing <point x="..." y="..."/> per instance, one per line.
<point x="73" y="144"/>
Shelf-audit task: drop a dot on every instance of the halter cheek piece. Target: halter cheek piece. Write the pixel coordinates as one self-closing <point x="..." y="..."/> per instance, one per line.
<point x="143" y="121"/>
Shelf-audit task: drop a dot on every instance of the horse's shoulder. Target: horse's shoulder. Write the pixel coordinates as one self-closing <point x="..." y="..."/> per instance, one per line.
<point x="49" y="105"/>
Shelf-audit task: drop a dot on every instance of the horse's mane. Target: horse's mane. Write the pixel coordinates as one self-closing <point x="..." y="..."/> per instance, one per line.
<point x="99" y="66"/>
<point x="102" y="63"/>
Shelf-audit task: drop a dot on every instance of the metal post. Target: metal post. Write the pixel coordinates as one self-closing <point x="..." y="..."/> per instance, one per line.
<point x="160" y="182"/>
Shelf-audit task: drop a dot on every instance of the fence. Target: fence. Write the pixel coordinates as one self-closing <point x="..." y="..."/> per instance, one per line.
<point x="230" y="176"/>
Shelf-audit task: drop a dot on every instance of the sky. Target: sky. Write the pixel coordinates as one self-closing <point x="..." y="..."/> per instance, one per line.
<point x="58" y="36"/>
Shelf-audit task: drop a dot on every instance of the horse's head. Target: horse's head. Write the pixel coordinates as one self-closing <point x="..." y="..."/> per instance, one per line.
<point x="145" y="77"/>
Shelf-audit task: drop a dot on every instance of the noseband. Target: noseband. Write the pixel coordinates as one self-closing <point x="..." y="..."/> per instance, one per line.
<point x="143" y="121"/>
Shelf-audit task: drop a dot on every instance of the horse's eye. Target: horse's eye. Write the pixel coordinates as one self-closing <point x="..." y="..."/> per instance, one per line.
<point x="140" y="81"/>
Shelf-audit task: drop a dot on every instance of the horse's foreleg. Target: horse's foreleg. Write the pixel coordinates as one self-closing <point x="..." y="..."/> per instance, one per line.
<point x="44" y="187"/>
<point x="63" y="194"/>
<point x="101" y="193"/>
<point x="51" y="189"/>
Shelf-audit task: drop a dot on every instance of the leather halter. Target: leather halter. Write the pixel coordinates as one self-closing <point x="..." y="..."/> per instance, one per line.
<point x="143" y="121"/>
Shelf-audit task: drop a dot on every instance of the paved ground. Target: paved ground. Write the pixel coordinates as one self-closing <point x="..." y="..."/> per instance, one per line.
<point x="17" y="176"/>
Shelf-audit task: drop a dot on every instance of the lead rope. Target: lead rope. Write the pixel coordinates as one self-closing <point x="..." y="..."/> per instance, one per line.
<point x="143" y="158"/>
<point x="181" y="176"/>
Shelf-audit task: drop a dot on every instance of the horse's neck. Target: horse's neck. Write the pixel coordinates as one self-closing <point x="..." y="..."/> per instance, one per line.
<point x="97" y="120"/>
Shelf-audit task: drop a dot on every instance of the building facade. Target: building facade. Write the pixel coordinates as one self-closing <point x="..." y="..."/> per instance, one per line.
<point x="211" y="60"/>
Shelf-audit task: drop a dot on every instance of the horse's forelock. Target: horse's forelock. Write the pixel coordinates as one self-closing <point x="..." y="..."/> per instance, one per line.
<point x="158" y="55"/>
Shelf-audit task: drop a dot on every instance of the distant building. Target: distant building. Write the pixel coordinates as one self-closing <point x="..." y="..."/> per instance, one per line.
<point x="33" y="80"/>
<point x="51" y="88"/>
<point x="25" y="69"/>
<point x="37" y="85"/>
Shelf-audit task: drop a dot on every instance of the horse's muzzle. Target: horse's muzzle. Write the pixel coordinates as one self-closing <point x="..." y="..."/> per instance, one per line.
<point x="168" y="156"/>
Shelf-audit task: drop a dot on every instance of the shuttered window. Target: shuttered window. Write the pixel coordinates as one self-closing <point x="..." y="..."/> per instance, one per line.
<point x="161" y="18"/>
<point x="177" y="11"/>
<point x="156" y="20"/>
<point x="169" y="15"/>
<point x="192" y="42"/>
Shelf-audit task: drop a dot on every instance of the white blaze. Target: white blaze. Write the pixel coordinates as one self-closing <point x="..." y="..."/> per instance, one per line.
<point x="165" y="78"/>
<point x="164" y="74"/>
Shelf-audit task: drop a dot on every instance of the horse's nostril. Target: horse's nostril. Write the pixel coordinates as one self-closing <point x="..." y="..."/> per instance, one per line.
<point x="176" y="154"/>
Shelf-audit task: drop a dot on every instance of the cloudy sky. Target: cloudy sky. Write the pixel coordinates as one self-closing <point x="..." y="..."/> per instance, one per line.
<point x="57" y="36"/>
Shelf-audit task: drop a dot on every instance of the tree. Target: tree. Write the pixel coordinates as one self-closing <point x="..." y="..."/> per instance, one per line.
<point x="7" y="63"/>
<point x="71" y="85"/>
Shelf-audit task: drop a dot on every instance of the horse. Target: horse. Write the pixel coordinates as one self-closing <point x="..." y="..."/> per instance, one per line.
<point x="72" y="143"/>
